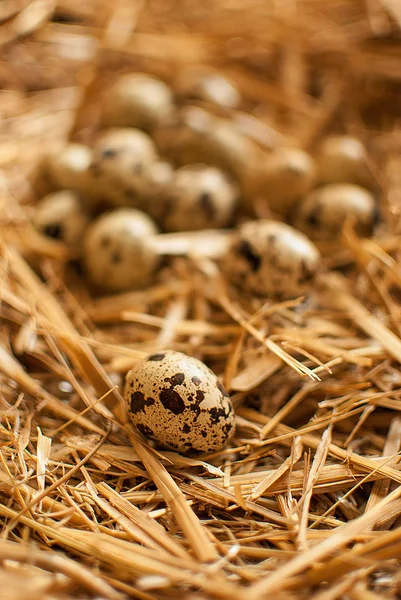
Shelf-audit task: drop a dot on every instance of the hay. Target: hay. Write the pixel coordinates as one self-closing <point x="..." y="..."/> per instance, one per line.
<point x="305" y="503"/>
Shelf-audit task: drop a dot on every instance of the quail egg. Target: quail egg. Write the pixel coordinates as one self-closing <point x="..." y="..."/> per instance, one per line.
<point x="118" y="254"/>
<point x="177" y="401"/>
<point x="343" y="158"/>
<point x="195" y="136"/>
<point x="66" y="169"/>
<point x="137" y="100"/>
<point x="62" y="216"/>
<point x="286" y="175"/>
<point x="160" y="174"/>
<point x="121" y="162"/>
<point x="197" y="197"/>
<point x="270" y="258"/>
<point x="323" y="213"/>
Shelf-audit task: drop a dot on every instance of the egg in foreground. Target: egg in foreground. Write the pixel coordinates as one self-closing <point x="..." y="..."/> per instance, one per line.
<point x="178" y="402"/>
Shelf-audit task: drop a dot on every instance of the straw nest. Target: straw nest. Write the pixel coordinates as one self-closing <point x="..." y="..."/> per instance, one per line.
<point x="306" y="501"/>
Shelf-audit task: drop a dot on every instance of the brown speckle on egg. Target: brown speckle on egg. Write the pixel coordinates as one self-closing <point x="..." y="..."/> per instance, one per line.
<point x="159" y="356"/>
<point x="177" y="401"/>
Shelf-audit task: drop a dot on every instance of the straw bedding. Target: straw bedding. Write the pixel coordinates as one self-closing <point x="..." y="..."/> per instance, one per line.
<point x="305" y="503"/>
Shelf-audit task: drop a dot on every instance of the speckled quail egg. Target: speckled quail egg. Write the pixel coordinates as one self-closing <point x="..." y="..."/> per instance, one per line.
<point x="177" y="401"/>
<point x="120" y="165"/>
<point x="271" y="258"/>
<point x="286" y="175"/>
<point x="343" y="158"/>
<point x="209" y="86"/>
<point x="196" y="136"/>
<point x="117" y="252"/>
<point x="198" y="197"/>
<point x="137" y="100"/>
<point x="62" y="216"/>
<point x="323" y="213"/>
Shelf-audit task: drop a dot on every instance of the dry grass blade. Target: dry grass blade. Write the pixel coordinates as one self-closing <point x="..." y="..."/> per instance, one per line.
<point x="362" y="318"/>
<point x="286" y="434"/>
<point x="225" y="302"/>
<point x="313" y="475"/>
<point x="173" y="496"/>
<point x="339" y="538"/>
<point x="150" y="529"/>
<point x="57" y="563"/>
<point x="270" y="479"/>
<point x="11" y="368"/>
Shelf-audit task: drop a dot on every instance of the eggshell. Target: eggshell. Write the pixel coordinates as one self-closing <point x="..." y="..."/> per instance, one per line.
<point x="177" y="401"/>
<point x="343" y="158"/>
<point x="323" y="213"/>
<point x="62" y="216"/>
<point x="64" y="169"/>
<point x="117" y="252"/>
<point x="120" y="167"/>
<point x="197" y="197"/>
<point x="68" y="169"/>
<point x="286" y="175"/>
<point x="137" y="100"/>
<point x="270" y="258"/>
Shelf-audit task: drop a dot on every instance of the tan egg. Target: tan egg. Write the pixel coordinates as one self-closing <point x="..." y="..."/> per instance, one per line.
<point x="286" y="175"/>
<point x="137" y="100"/>
<point x="182" y="136"/>
<point x="195" y="136"/>
<point x="66" y="169"/>
<point x="270" y="258"/>
<point x="198" y="197"/>
<point x="178" y="402"/>
<point x="157" y="177"/>
<point x="62" y="216"/>
<point x="160" y="174"/>
<point x="121" y="162"/>
<point x="324" y="212"/>
<point x="343" y="158"/>
<point x="117" y="253"/>
<point x="209" y="86"/>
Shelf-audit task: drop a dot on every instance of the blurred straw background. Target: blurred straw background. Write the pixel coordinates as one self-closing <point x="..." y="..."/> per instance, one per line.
<point x="306" y="504"/>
